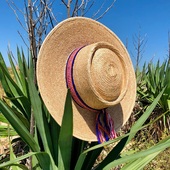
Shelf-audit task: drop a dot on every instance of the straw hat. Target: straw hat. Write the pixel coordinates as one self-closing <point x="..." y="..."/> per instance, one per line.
<point x="103" y="74"/>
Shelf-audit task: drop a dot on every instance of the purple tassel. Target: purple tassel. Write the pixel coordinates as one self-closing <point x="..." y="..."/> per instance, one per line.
<point x="104" y="127"/>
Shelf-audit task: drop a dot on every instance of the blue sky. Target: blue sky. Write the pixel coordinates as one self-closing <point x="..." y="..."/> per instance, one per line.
<point x="126" y="18"/>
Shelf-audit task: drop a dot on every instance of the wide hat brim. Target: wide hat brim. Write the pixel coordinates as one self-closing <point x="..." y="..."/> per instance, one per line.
<point x="60" y="42"/>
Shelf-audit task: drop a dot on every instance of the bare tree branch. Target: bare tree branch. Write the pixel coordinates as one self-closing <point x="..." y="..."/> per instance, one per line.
<point x="139" y="44"/>
<point x="99" y="9"/>
<point x="68" y="6"/>
<point x="75" y="9"/>
<point x="101" y="16"/>
<point x="31" y="29"/>
<point x="23" y="39"/>
<point x="81" y="5"/>
<point x="14" y="10"/>
<point x="12" y="3"/>
<point x="64" y="3"/>
<point x="88" y="9"/>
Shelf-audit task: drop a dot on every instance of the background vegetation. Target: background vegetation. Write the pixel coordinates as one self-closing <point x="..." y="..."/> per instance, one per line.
<point x="145" y="135"/>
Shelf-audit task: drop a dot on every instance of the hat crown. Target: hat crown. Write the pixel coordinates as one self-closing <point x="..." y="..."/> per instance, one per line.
<point x="100" y="75"/>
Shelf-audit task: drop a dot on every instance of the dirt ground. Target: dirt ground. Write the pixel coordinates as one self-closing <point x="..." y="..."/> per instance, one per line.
<point x="4" y="144"/>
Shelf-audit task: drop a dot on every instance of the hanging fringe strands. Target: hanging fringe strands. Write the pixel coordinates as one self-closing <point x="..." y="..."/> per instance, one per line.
<point x="104" y="127"/>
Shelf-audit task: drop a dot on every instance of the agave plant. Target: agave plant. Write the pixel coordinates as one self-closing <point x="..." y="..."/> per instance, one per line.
<point x="53" y="147"/>
<point x="152" y="79"/>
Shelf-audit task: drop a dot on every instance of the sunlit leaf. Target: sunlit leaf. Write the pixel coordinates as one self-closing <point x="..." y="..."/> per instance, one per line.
<point x="142" y="154"/>
<point x="65" y="136"/>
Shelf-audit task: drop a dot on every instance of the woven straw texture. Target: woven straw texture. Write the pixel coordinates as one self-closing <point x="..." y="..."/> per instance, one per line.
<point x="112" y="88"/>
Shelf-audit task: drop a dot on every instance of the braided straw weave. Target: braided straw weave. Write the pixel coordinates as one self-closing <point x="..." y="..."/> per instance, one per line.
<point x="103" y="74"/>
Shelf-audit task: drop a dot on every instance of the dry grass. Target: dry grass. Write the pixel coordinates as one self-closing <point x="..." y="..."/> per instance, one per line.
<point x="4" y="145"/>
<point x="1" y="91"/>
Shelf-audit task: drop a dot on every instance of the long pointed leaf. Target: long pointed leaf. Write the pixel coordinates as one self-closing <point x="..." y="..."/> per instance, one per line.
<point x="18" y="126"/>
<point x="22" y="65"/>
<point x="82" y="161"/>
<point x="41" y="120"/>
<point x="145" y="115"/>
<point x="21" y="130"/>
<point x="14" y="70"/>
<point x="12" y="90"/>
<point x="54" y="130"/>
<point x="91" y="159"/>
<point x="13" y="157"/>
<point x="140" y="163"/>
<point x="44" y="156"/>
<point x="115" y="152"/>
<point x="142" y="154"/>
<point x="65" y="137"/>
